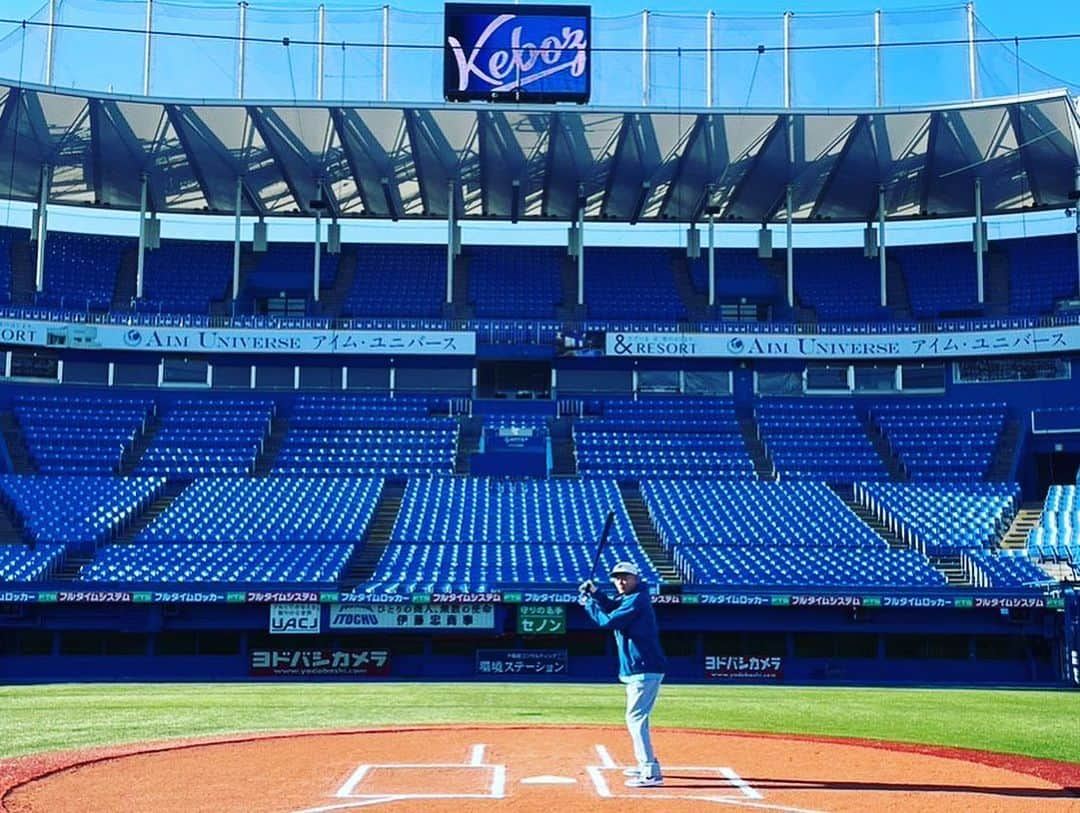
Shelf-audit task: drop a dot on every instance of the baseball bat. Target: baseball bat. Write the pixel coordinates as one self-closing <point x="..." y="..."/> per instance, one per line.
<point x="603" y="541"/>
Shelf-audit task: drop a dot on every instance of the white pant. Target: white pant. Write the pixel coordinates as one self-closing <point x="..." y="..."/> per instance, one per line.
<point x="641" y="694"/>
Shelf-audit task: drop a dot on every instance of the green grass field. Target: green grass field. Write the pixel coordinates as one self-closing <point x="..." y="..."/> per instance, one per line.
<point x="46" y="718"/>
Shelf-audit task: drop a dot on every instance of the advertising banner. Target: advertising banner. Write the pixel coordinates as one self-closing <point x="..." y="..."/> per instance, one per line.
<point x="523" y="53"/>
<point x="412" y="616"/>
<point x="305" y="619"/>
<point x="874" y="346"/>
<point x="314" y="662"/>
<point x="534" y="619"/>
<point x="739" y="667"/>
<point x="521" y="662"/>
<point x="248" y="341"/>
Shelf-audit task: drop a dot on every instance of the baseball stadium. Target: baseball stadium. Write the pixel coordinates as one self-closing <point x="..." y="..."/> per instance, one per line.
<point x="558" y="407"/>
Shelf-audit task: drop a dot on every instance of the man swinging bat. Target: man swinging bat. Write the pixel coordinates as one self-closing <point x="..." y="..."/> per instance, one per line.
<point x="641" y="659"/>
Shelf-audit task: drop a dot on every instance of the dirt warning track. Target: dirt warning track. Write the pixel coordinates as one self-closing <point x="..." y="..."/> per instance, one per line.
<point x="536" y="769"/>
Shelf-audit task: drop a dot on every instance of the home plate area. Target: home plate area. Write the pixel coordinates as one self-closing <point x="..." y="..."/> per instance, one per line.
<point x="374" y="784"/>
<point x="536" y="769"/>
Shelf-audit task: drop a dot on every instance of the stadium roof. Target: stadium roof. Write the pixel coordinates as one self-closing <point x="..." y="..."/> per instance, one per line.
<point x="536" y="163"/>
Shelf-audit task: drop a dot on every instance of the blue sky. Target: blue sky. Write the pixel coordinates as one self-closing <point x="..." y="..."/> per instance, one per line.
<point x="1004" y="18"/>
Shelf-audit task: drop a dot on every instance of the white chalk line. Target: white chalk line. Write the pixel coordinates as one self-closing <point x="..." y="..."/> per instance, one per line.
<point x="605" y="757"/>
<point x="736" y="780"/>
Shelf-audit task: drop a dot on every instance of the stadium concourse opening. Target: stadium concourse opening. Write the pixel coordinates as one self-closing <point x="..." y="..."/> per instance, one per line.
<point x="531" y="769"/>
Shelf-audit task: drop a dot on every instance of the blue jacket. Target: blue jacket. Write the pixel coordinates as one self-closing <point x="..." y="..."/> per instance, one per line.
<point x="632" y="619"/>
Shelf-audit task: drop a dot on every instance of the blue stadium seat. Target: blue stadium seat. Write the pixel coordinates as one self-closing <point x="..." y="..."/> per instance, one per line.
<point x="79" y="512"/>
<point x="364" y="435"/>
<point x="662" y="437"/>
<point x="207" y="437"/>
<point x="943" y="518"/>
<point x="817" y="440"/>
<point x="936" y="440"/>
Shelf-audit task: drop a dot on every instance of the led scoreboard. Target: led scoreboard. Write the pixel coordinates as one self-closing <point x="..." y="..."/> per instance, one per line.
<point x="516" y="53"/>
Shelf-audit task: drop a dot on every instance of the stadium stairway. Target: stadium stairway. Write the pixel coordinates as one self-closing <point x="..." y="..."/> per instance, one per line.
<point x="159" y="506"/>
<point x="997" y="287"/>
<point x="461" y="307"/>
<point x="763" y="464"/>
<point x="279" y="427"/>
<point x="896" y="471"/>
<point x="953" y="568"/>
<point x="647" y="536"/>
<point x="1001" y="465"/>
<point x="846" y="493"/>
<point x="569" y="310"/>
<point x="563" y="457"/>
<point x="332" y="299"/>
<point x="472" y="427"/>
<point x="361" y="564"/>
<point x="696" y="304"/>
<point x="1029" y="515"/>
<point x="23" y="273"/>
<point x="21" y="462"/>
<point x="129" y="460"/>
<point x="896" y="293"/>
<point x="11" y="529"/>
<point x="126" y="281"/>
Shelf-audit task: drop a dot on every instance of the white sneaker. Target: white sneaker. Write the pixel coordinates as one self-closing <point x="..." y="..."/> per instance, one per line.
<point x="645" y="782"/>
<point x="631" y="772"/>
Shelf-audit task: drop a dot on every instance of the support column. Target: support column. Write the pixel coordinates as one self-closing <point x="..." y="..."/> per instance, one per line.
<point x="581" y="252"/>
<point x="141" y="262"/>
<point x="712" y="258"/>
<point x="42" y="226"/>
<point x="451" y="213"/>
<point x="645" y="58"/>
<point x="146" y="47"/>
<point x="980" y="246"/>
<point x="787" y="58"/>
<point x="709" y="21"/>
<point x="790" y="254"/>
<point x="1076" y="211"/>
<point x="973" y="86"/>
<point x="50" y="43"/>
<point x="317" y="276"/>
<point x="879" y="87"/>
<point x="882" y="268"/>
<point x="242" y="50"/>
<point x="236" y="240"/>
<point x="320" y="53"/>
<point x="386" y="53"/>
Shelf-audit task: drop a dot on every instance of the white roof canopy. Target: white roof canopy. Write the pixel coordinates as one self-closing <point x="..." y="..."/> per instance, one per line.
<point x="536" y="163"/>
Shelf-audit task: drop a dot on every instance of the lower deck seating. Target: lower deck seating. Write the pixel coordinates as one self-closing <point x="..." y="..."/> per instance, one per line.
<point x="77" y="512"/>
<point x="456" y="510"/>
<point x="277" y="509"/>
<point x="1005" y="569"/>
<point x="943" y="518"/>
<point x="802" y="567"/>
<point x="261" y="563"/>
<point x="480" y="568"/>
<point x="23" y="563"/>
<point x="713" y="513"/>
<point x="1057" y="536"/>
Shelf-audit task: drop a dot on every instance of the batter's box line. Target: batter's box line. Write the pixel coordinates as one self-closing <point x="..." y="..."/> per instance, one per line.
<point x="751" y="797"/>
<point x="355" y="800"/>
